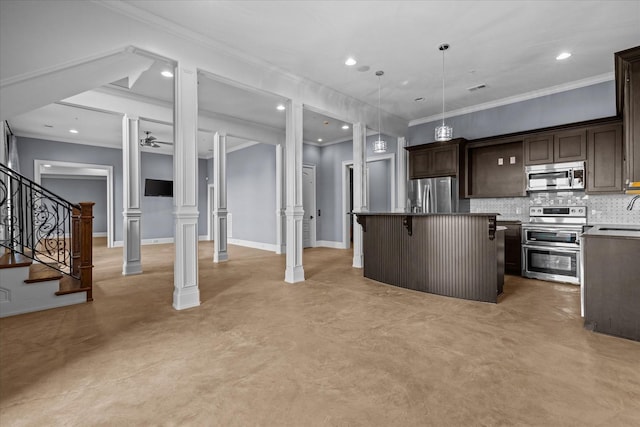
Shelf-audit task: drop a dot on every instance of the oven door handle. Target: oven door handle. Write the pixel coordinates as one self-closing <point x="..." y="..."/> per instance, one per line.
<point x="552" y="229"/>
<point x="551" y="248"/>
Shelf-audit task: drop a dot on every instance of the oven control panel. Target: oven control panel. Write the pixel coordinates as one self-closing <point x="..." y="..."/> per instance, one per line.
<point x="558" y="211"/>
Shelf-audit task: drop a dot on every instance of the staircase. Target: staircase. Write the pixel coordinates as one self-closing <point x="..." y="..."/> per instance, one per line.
<point x="47" y="257"/>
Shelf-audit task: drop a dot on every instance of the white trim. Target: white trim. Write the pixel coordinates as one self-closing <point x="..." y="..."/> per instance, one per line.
<point x="255" y="245"/>
<point x="210" y="190"/>
<point x="313" y="224"/>
<point x="100" y="234"/>
<point x="518" y="98"/>
<point x="391" y="157"/>
<point x="330" y="244"/>
<point x="242" y="146"/>
<point x="81" y="169"/>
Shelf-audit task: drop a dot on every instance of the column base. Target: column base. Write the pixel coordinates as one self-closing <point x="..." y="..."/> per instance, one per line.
<point x="186" y="298"/>
<point x="129" y="269"/>
<point x="358" y="261"/>
<point x="294" y="275"/>
<point x="220" y="257"/>
<point x="281" y="249"/>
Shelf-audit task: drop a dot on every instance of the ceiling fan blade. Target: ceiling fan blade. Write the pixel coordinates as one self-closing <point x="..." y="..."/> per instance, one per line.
<point x="163" y="142"/>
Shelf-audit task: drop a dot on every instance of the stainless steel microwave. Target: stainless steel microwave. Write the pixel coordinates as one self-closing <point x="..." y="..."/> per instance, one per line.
<point x="555" y="176"/>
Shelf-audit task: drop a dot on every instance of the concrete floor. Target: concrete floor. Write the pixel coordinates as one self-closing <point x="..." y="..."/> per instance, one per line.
<point x="336" y="350"/>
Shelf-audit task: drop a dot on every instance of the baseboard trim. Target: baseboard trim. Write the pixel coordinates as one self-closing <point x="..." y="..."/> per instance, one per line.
<point x="255" y="245"/>
<point x="329" y="244"/>
<point x="100" y="234"/>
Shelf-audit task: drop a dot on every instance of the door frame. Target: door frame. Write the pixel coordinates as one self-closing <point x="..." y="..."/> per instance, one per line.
<point x="312" y="224"/>
<point x="391" y="158"/>
<point x="55" y="167"/>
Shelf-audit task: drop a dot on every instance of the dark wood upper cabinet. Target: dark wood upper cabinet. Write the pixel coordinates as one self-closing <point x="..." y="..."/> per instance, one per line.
<point x="570" y="146"/>
<point x="563" y="146"/>
<point x="538" y="149"/>
<point x="436" y="159"/>
<point x="627" y="65"/>
<point x="604" y="165"/>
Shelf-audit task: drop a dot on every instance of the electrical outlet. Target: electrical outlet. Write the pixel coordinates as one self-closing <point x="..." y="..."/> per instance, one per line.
<point x="518" y="211"/>
<point x="512" y="160"/>
<point x="500" y="161"/>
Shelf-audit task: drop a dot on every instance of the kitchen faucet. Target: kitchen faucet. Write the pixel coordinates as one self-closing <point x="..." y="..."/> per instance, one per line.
<point x="632" y="202"/>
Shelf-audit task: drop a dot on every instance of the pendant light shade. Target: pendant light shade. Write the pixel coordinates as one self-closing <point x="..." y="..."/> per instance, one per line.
<point x="379" y="146"/>
<point x="443" y="132"/>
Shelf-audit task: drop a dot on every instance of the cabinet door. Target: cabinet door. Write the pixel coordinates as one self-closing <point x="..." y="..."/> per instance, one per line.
<point x="570" y="146"/>
<point x="512" y="248"/>
<point x="604" y="167"/>
<point x="444" y="161"/>
<point x="538" y="149"/>
<point x="419" y="164"/>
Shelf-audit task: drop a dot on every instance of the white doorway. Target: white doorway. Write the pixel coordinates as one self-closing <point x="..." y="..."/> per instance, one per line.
<point x="54" y="168"/>
<point x="347" y="196"/>
<point x="309" y="206"/>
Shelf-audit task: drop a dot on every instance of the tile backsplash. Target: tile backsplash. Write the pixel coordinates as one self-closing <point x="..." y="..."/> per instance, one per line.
<point x="601" y="209"/>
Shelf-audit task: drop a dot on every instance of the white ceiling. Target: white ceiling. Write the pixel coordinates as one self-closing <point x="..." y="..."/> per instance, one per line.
<point x="508" y="46"/>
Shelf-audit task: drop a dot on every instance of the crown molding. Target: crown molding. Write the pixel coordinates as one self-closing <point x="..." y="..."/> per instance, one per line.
<point x="577" y="84"/>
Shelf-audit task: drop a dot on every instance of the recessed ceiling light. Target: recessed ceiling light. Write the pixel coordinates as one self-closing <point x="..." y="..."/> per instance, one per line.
<point x="319" y="139"/>
<point x="350" y="61"/>
<point x="167" y="73"/>
<point x="73" y="131"/>
<point x="563" y="55"/>
<point x="345" y="127"/>
<point x="280" y="107"/>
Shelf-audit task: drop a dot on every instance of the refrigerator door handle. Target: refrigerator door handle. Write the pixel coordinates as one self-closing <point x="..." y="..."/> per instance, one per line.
<point x="426" y="199"/>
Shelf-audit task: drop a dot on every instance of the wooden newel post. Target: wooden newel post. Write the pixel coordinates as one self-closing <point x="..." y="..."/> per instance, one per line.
<point x="75" y="242"/>
<point x="86" y="247"/>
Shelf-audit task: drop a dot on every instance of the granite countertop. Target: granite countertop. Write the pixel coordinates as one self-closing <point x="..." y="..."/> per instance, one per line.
<point x="614" y="230"/>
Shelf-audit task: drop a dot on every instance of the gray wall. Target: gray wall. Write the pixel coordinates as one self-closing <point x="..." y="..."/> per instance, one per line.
<point x="157" y="216"/>
<point x="30" y="149"/>
<point x="586" y="103"/>
<point x="251" y="189"/>
<point x="80" y="189"/>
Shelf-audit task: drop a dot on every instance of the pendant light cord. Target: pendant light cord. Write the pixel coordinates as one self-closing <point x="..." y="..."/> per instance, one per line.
<point x="379" y="121"/>
<point x="443" y="87"/>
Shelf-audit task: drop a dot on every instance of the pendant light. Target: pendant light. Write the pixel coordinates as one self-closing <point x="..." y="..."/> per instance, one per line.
<point x="379" y="146"/>
<point x="443" y="132"/>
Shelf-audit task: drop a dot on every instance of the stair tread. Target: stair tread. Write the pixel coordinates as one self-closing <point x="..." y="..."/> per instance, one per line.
<point x="69" y="285"/>
<point x="13" y="260"/>
<point x="42" y="273"/>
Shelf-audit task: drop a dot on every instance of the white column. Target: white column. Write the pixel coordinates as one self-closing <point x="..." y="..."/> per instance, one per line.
<point x="281" y="220"/>
<point x="401" y="176"/>
<point x="359" y="188"/>
<point x="294" y="272"/>
<point x="185" y="195"/>
<point x="220" y="197"/>
<point x="132" y="212"/>
<point x="3" y="144"/>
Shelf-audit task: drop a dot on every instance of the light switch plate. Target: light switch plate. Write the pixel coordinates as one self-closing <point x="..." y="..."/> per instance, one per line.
<point x="512" y="160"/>
<point x="500" y="161"/>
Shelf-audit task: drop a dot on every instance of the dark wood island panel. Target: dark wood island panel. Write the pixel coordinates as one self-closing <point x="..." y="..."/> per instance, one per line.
<point x="456" y="255"/>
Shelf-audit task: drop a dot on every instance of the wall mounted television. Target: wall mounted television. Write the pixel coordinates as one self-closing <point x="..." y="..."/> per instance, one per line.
<point x="158" y="187"/>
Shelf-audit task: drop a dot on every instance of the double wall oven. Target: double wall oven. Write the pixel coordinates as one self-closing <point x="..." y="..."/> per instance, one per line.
<point x="551" y="243"/>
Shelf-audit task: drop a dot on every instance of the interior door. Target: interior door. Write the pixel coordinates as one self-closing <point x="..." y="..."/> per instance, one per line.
<point x="309" y="206"/>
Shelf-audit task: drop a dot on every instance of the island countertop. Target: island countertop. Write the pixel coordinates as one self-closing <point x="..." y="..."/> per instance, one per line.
<point x="422" y="214"/>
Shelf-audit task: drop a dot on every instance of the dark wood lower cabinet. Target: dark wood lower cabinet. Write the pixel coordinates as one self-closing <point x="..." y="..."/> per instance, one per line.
<point x="456" y="255"/>
<point x="512" y="247"/>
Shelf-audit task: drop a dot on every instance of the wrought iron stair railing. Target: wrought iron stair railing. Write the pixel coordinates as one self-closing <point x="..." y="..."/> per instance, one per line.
<point x="45" y="227"/>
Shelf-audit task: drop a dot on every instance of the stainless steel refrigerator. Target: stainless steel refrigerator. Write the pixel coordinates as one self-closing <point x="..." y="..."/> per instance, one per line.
<point x="433" y="195"/>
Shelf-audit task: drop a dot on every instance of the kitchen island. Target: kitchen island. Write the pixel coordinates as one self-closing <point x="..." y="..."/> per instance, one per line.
<point x="456" y="255"/>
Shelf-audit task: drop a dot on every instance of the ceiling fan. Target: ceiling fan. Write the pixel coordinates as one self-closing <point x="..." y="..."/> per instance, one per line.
<point x="151" y="141"/>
